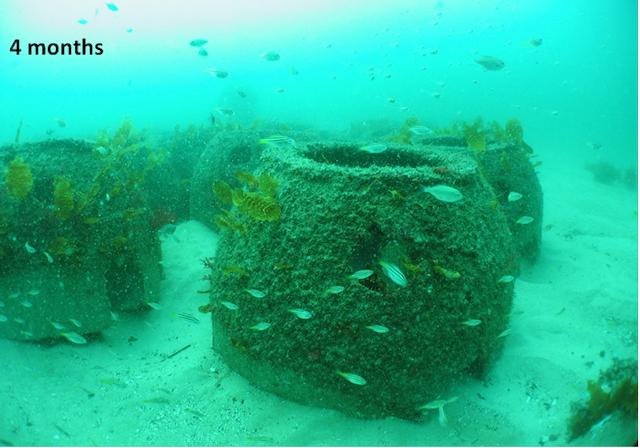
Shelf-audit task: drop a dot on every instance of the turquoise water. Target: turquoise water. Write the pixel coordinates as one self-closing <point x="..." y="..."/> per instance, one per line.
<point x="355" y="71"/>
<point x="585" y="70"/>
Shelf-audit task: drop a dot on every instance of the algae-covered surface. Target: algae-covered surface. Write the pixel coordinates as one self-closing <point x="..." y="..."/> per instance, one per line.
<point x="345" y="210"/>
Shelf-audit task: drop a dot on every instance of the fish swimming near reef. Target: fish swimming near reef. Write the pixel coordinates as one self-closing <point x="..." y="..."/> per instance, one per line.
<point x="198" y="42"/>
<point x="536" y="42"/>
<point x="277" y="140"/>
<point x="270" y="56"/>
<point x="490" y="63"/>
<point x="221" y="74"/>
<point x="375" y="148"/>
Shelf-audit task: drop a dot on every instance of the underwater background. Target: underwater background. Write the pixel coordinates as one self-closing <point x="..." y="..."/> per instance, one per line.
<point x="345" y="70"/>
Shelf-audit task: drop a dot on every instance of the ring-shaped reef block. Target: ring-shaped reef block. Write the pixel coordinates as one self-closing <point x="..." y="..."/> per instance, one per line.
<point x="227" y="153"/>
<point x="290" y="315"/>
<point x="75" y="238"/>
<point x="509" y="167"/>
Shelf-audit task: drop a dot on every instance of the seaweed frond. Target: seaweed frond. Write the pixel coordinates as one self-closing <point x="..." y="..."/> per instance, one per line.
<point x="227" y="221"/>
<point x="63" y="201"/>
<point x="259" y="206"/>
<point x="18" y="179"/>
<point x="474" y="136"/>
<point x="513" y="131"/>
<point x="267" y="184"/>
<point x="615" y="391"/>
<point x="222" y="192"/>
<point x="404" y="133"/>
<point x="248" y="179"/>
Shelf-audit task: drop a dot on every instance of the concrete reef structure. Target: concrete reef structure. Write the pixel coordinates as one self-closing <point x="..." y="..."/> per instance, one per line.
<point x="76" y="236"/>
<point x="291" y="314"/>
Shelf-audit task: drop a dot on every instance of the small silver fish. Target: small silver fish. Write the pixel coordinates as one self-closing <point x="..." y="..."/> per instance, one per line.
<point x="506" y="332"/>
<point x="444" y="193"/>
<point x="514" y="196"/>
<point x="221" y="74"/>
<point x="29" y="248"/>
<point x="421" y="131"/>
<point x="74" y="337"/>
<point x="3" y="318"/>
<point x="112" y="7"/>
<point x="154" y="305"/>
<point x="394" y="273"/>
<point x="114" y="316"/>
<point x="26" y="304"/>
<point x="229" y="305"/>
<point x="57" y="326"/>
<point x="361" y="274"/>
<point x="506" y="279"/>
<point x="378" y="328"/>
<point x="277" y="140"/>
<point x="261" y="326"/>
<point x="34" y="292"/>
<point x="337" y="289"/>
<point x="353" y="378"/>
<point x="301" y="314"/>
<point x="490" y="63"/>
<point x="472" y="322"/>
<point x="270" y="56"/>
<point x="203" y="52"/>
<point x="256" y="293"/>
<point x="188" y="317"/>
<point x="524" y="220"/>
<point x="76" y="322"/>
<point x="14" y="295"/>
<point x="19" y="320"/>
<point x="224" y="111"/>
<point x="375" y="148"/>
<point x="198" y="42"/>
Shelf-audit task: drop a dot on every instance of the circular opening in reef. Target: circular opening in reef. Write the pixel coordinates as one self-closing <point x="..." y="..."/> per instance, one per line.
<point x="351" y="155"/>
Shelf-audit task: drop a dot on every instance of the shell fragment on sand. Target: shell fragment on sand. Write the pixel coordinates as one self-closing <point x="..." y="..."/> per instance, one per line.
<point x="444" y="193"/>
<point x="439" y="405"/>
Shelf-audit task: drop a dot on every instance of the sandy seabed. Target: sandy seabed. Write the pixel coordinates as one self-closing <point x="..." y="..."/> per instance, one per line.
<point x="574" y="311"/>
